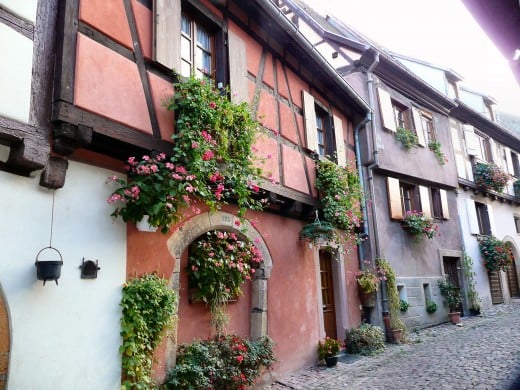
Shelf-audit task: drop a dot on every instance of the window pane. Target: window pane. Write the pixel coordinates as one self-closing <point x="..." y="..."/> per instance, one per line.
<point x="185" y="25"/>
<point x="203" y="38"/>
<point x="185" y="69"/>
<point x="206" y="62"/>
<point x="185" y="49"/>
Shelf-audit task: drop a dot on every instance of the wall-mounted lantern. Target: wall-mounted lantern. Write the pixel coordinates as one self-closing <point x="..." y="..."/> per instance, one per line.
<point x="89" y="269"/>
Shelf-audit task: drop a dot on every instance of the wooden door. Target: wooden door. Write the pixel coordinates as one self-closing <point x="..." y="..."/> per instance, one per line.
<point x="451" y="269"/>
<point x="512" y="281"/>
<point x="327" y="294"/>
<point x="496" y="287"/>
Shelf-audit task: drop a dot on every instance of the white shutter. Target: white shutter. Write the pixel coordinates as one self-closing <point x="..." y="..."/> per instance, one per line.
<point x="309" y="113"/>
<point x="424" y="194"/>
<point x="472" y="217"/>
<point x="491" y="219"/>
<point x="444" y="204"/>
<point x="237" y="68"/>
<point x="493" y="147"/>
<point x="471" y="140"/>
<point x="418" y="127"/>
<point x="167" y="33"/>
<point x="394" y="198"/>
<point x="340" y="142"/>
<point x="387" y="112"/>
<point x="510" y="168"/>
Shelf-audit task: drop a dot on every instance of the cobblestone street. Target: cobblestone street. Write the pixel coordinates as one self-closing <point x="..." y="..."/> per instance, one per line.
<point x="483" y="353"/>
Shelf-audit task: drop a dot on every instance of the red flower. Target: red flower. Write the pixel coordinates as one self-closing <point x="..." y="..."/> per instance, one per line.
<point x="208" y="155"/>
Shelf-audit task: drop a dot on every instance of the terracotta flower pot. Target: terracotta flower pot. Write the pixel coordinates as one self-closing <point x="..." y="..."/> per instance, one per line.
<point x="367" y="299"/>
<point x="396" y="334"/>
<point x="454" y="317"/>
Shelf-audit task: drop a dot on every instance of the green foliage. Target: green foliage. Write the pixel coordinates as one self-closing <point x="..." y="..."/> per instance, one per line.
<point x="393" y="296"/>
<point x="435" y="147"/>
<point x="148" y="308"/>
<point x="490" y="177"/>
<point x="419" y="225"/>
<point x="341" y="196"/>
<point x="431" y="307"/>
<point x="318" y="231"/>
<point x="212" y="161"/>
<point x="469" y="274"/>
<point x="403" y="305"/>
<point x="368" y="280"/>
<point x="219" y="263"/>
<point x="497" y="254"/>
<point x="407" y="138"/>
<point x="451" y="293"/>
<point x="365" y="340"/>
<point x="328" y="347"/>
<point x="222" y="363"/>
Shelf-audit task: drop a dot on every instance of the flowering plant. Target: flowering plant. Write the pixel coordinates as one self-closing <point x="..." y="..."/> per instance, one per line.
<point x="341" y="195"/>
<point x="435" y="147"/>
<point x="212" y="160"/>
<point x="318" y="232"/>
<point x="451" y="293"/>
<point x="368" y="279"/>
<point x="156" y="188"/>
<point x="490" y="177"/>
<point x="329" y="347"/>
<point x="417" y="224"/>
<point x="497" y="254"/>
<point x="408" y="138"/>
<point x="218" y="264"/>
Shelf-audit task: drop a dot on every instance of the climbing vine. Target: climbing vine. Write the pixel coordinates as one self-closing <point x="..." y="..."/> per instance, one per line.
<point x="148" y="308"/>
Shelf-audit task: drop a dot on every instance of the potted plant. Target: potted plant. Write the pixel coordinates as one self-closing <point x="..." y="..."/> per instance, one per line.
<point x="328" y="350"/>
<point x="397" y="326"/>
<point x="431" y="307"/>
<point x="403" y="305"/>
<point x="418" y="225"/>
<point x="407" y="138"/>
<point x="490" y="177"/>
<point x="451" y="294"/>
<point x="318" y="233"/>
<point x="368" y="282"/>
<point x="496" y="253"/>
<point x="367" y="339"/>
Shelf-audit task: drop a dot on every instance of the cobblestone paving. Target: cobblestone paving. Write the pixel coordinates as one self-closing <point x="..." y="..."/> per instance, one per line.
<point x="483" y="353"/>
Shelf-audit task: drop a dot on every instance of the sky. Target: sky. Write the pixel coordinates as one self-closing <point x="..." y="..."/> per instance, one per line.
<point x="441" y="32"/>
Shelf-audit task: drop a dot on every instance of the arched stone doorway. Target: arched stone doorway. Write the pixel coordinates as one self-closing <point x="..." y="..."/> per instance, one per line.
<point x="5" y="342"/>
<point x="200" y="224"/>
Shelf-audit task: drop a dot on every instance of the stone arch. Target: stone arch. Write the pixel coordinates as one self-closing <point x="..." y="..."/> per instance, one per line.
<point x="221" y="220"/>
<point x="5" y="341"/>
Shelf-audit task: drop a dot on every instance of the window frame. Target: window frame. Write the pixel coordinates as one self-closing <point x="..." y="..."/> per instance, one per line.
<point x="483" y="152"/>
<point x="515" y="162"/>
<point x="196" y="23"/>
<point x="484" y="222"/>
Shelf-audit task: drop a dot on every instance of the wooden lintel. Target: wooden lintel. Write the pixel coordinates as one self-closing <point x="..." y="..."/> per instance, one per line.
<point x="68" y="137"/>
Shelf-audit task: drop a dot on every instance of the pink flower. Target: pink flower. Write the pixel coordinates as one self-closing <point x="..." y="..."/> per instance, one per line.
<point x="161" y="156"/>
<point x="181" y="170"/>
<point x="131" y="161"/>
<point x="208" y="155"/>
<point x="237" y="222"/>
<point x="169" y="166"/>
<point x="146" y="158"/>
<point x="239" y="358"/>
<point x="190" y="188"/>
<point x="114" y="198"/>
<point x="195" y="145"/>
<point x="212" y="105"/>
<point x="154" y="168"/>
<point x="206" y="136"/>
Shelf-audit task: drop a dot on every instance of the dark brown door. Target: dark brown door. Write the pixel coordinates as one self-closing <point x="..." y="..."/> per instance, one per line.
<point x="327" y="294"/>
<point x="496" y="287"/>
<point x="512" y="281"/>
<point x="451" y="269"/>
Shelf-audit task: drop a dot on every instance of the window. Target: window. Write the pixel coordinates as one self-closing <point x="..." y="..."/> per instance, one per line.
<point x="324" y="131"/>
<point x="516" y="165"/>
<point x="427" y="127"/>
<point x="403" y="197"/>
<point x="401" y="115"/>
<point x="483" y="151"/>
<point x="517" y="224"/>
<point x="484" y="225"/>
<point x="197" y="48"/>
<point x="409" y="198"/>
<point x="326" y="141"/>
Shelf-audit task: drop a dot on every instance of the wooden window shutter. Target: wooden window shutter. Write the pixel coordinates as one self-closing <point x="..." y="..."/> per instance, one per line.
<point x="418" y="127"/>
<point x="444" y="204"/>
<point x="237" y="68"/>
<point x="471" y="141"/>
<point x="394" y="198"/>
<point x="167" y="33"/>
<point x="309" y="113"/>
<point x="424" y="195"/>
<point x="472" y="217"/>
<point x="387" y="112"/>
<point x="340" y="141"/>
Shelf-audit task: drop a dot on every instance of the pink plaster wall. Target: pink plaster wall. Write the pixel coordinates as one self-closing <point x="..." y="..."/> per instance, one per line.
<point x="293" y="169"/>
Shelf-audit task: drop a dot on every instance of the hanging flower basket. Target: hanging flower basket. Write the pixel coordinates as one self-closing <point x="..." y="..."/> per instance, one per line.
<point x="319" y="233"/>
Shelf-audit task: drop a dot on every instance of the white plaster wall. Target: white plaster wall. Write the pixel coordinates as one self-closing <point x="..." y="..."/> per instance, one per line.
<point x="15" y="74"/>
<point x="502" y="227"/>
<point x="26" y="9"/>
<point x="63" y="337"/>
